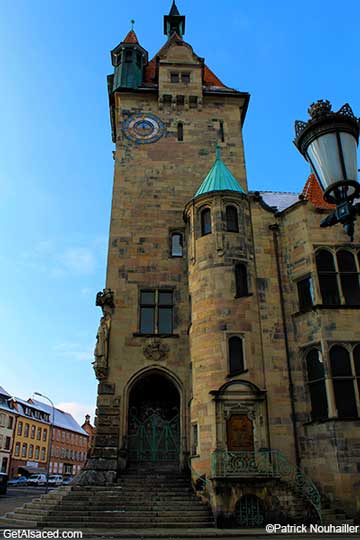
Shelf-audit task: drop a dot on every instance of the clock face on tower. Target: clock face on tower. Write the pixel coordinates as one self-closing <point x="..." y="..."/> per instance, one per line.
<point x="143" y="128"/>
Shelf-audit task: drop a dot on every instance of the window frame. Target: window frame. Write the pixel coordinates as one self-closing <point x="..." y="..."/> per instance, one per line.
<point x="246" y="291"/>
<point x="202" y="211"/>
<point x="157" y="307"/>
<point x="303" y="306"/>
<point x="338" y="274"/>
<point x="234" y="229"/>
<point x="236" y="372"/>
<point x="314" y="382"/>
<point x="177" y="233"/>
<point x="351" y="377"/>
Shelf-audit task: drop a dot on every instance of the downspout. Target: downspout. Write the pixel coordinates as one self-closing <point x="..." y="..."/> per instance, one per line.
<point x="276" y="231"/>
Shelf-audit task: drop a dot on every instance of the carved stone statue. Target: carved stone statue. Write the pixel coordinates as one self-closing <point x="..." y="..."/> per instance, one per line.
<point x="105" y="300"/>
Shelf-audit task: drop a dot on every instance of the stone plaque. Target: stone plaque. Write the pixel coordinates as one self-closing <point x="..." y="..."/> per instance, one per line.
<point x="240" y="437"/>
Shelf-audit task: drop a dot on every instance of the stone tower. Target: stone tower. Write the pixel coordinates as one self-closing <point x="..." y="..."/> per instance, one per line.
<point x="210" y="309"/>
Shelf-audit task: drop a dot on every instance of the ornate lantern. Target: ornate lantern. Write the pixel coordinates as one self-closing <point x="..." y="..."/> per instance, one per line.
<point x="329" y="141"/>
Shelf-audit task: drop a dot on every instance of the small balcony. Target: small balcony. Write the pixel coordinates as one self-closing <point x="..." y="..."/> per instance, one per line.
<point x="264" y="464"/>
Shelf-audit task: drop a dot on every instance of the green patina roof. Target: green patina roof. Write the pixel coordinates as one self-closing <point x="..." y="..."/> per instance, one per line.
<point x="219" y="178"/>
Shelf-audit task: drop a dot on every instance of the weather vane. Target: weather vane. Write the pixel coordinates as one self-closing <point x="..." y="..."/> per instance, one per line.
<point x="132" y="24"/>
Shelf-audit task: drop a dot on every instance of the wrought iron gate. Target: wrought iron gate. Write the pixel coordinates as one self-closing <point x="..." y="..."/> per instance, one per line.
<point x="250" y="511"/>
<point x="153" y="437"/>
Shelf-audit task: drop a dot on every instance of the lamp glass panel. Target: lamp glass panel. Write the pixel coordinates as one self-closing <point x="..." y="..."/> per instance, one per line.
<point x="349" y="148"/>
<point x="324" y="155"/>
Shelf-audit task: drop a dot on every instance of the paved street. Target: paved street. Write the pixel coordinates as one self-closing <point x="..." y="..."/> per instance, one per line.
<point x="17" y="496"/>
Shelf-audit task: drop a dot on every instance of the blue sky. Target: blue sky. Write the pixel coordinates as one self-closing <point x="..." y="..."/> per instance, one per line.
<point x="56" y="161"/>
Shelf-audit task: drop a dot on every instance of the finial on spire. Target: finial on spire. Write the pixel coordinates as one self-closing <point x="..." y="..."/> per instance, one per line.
<point x="174" y="22"/>
<point x="132" y="24"/>
<point x="218" y="151"/>
<point x="174" y="10"/>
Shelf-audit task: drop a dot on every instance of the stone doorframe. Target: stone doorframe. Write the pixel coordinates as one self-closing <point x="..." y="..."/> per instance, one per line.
<point x="183" y="412"/>
<point x="241" y="397"/>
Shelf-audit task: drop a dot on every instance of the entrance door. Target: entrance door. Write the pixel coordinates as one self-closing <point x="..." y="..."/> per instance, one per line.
<point x="240" y="435"/>
<point x="154" y="421"/>
<point x="154" y="438"/>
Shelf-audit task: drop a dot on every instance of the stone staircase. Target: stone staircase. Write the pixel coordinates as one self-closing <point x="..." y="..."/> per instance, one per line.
<point x="136" y="501"/>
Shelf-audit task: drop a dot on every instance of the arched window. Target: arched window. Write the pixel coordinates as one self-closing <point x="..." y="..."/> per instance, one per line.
<point x="176" y="244"/>
<point x="343" y="382"/>
<point x="327" y="277"/>
<point x="205" y="222"/>
<point x="180" y="131"/>
<point x="236" y="355"/>
<point x="232" y="223"/>
<point x="317" y="389"/>
<point x="349" y="276"/>
<point x="241" y="280"/>
<point x="356" y="354"/>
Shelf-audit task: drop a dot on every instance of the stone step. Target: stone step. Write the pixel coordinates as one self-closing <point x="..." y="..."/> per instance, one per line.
<point x="134" y="514"/>
<point x="169" y="505"/>
<point x="127" y="525"/>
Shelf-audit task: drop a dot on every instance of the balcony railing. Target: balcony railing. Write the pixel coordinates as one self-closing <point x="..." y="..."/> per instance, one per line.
<point x="265" y="463"/>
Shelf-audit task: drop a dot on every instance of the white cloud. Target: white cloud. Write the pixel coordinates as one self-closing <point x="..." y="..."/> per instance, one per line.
<point x="77" y="410"/>
<point x="60" y="261"/>
<point x="74" y="351"/>
<point x="79" y="261"/>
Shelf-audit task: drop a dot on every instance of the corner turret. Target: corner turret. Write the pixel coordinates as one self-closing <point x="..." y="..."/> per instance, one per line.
<point x="128" y="59"/>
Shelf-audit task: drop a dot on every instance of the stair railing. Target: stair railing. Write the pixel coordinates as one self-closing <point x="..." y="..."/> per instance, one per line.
<point x="268" y="463"/>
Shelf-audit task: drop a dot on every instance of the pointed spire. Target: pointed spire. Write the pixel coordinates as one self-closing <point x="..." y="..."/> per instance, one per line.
<point x="219" y="178"/>
<point x="174" y="22"/>
<point x="174" y="10"/>
<point x="131" y="38"/>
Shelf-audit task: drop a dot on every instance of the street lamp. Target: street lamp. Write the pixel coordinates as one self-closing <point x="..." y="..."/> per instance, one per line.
<point x="50" y="441"/>
<point x="329" y="141"/>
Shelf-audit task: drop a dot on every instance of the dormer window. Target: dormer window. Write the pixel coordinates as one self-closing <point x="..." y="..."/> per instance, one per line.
<point x="174" y="77"/>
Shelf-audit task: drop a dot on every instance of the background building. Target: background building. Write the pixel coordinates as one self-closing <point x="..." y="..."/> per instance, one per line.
<point x="31" y="439"/>
<point x="69" y="442"/>
<point x="90" y="430"/>
<point x="7" y="424"/>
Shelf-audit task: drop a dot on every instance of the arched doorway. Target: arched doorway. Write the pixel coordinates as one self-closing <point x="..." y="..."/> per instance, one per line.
<point x="154" y="420"/>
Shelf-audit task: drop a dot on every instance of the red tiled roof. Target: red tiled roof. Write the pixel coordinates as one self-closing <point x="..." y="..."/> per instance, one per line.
<point x="131" y="38"/>
<point x="210" y="79"/>
<point x="313" y="193"/>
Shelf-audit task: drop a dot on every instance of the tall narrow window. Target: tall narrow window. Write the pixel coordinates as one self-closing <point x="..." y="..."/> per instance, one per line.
<point x="241" y="280"/>
<point x="305" y="293"/>
<point x="343" y="382"/>
<point x="180" y="131"/>
<point x="221" y="131"/>
<point x="17" y="449"/>
<point x="147" y="312"/>
<point x="165" y="312"/>
<point x="176" y="245"/>
<point x="232" y="223"/>
<point x="349" y="277"/>
<point x="356" y="354"/>
<point x="205" y="222"/>
<point x="236" y="355"/>
<point x="24" y="450"/>
<point x="128" y="55"/>
<point x="317" y="389"/>
<point x="195" y="439"/>
<point x="327" y="277"/>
